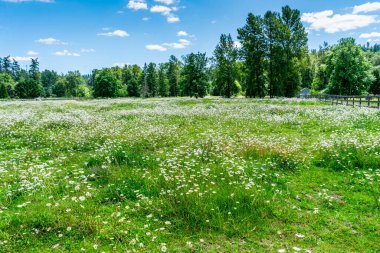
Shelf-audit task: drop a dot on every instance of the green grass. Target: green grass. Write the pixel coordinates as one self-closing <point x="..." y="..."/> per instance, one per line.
<point x="186" y="175"/>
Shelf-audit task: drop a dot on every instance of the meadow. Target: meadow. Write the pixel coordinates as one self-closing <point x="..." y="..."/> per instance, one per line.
<point x="186" y="175"/>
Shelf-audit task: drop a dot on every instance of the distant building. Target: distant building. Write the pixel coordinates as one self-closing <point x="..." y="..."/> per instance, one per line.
<point x="304" y="92"/>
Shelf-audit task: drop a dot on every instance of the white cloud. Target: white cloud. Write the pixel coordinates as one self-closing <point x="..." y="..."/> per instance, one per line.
<point x="182" y="34"/>
<point x="167" y="12"/>
<point x="155" y="47"/>
<point x="50" y="41"/>
<point x="145" y="19"/>
<point x="365" y="8"/>
<point x="24" y="1"/>
<point x="182" y="43"/>
<point x="66" y="53"/>
<point x="370" y="35"/>
<point x="332" y="23"/>
<point x="164" y="10"/>
<point x="137" y="5"/>
<point x="87" y="50"/>
<point x="32" y="53"/>
<point x="22" y="58"/>
<point x="116" y="33"/>
<point x="173" y="19"/>
<point x="167" y="2"/>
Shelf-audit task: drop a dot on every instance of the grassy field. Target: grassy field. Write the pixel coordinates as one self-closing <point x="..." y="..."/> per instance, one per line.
<point x="183" y="175"/>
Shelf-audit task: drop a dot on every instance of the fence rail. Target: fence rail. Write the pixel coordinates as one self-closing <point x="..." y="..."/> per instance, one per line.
<point x="359" y="101"/>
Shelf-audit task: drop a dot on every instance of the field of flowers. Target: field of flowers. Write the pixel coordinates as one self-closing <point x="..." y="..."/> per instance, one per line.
<point x="183" y="175"/>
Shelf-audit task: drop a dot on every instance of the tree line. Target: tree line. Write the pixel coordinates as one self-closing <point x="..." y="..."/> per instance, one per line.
<point x="269" y="58"/>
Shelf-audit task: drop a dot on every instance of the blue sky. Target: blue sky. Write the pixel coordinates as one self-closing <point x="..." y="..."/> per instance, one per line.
<point x="83" y="35"/>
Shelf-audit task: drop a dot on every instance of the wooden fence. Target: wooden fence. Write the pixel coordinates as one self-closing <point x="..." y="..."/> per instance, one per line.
<point x="359" y="101"/>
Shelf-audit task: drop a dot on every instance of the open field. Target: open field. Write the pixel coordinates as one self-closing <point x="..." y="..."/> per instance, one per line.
<point x="183" y="175"/>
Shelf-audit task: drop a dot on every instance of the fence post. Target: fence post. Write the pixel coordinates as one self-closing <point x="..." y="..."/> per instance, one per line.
<point x="360" y="102"/>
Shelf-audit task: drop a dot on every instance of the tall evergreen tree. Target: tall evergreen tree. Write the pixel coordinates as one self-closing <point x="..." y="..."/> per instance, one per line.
<point x="253" y="52"/>
<point x="174" y="76"/>
<point x="143" y="82"/>
<point x="152" y="80"/>
<point x="294" y="45"/>
<point x="7" y="65"/>
<point x="225" y="56"/>
<point x="34" y="70"/>
<point x="163" y="82"/>
<point x="195" y="75"/>
<point x="16" y="70"/>
<point x="272" y="26"/>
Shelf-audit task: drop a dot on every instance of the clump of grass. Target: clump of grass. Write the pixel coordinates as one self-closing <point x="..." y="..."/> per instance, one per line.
<point x="347" y="157"/>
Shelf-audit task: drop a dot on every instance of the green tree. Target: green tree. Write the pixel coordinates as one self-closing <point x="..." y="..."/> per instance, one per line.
<point x="375" y="86"/>
<point x="73" y="80"/>
<point x="7" y="65"/>
<point x="163" y="82"/>
<point x="8" y="83"/>
<point x="48" y="80"/>
<point x="195" y="79"/>
<point x="253" y="52"/>
<point x="28" y="88"/>
<point x="293" y="39"/>
<point x="272" y="28"/>
<point x="59" y="88"/>
<point x="348" y="69"/>
<point x="3" y="91"/>
<point x="131" y="78"/>
<point x="152" y="80"/>
<point x="321" y="78"/>
<point x="143" y="82"/>
<point x="174" y="72"/>
<point x="34" y="70"/>
<point x="225" y="56"/>
<point x="84" y="91"/>
<point x="16" y="70"/>
<point x="106" y="84"/>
